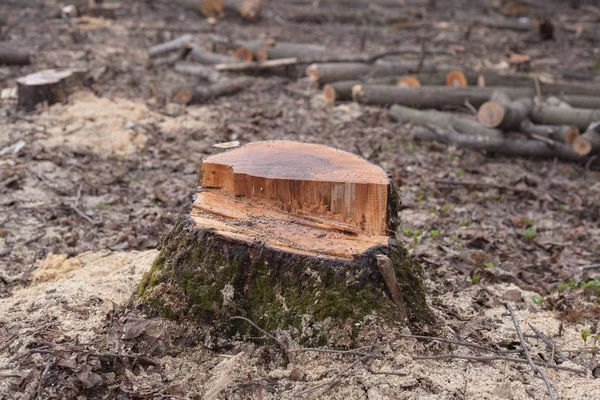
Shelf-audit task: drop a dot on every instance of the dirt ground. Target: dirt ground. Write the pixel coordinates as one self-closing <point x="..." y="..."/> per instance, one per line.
<point x="487" y="229"/>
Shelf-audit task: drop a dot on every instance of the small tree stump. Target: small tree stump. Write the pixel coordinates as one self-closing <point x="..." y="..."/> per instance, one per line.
<point x="292" y="236"/>
<point x="49" y="86"/>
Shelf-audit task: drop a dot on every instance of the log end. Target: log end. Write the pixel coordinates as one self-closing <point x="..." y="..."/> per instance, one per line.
<point x="357" y="91"/>
<point x="243" y="54"/>
<point x="571" y="133"/>
<point x="329" y="94"/>
<point x="250" y="9"/>
<point x="582" y="145"/>
<point x="408" y="81"/>
<point x="491" y="114"/>
<point x="213" y="8"/>
<point x="183" y="96"/>
<point x="456" y="79"/>
<point x="262" y="55"/>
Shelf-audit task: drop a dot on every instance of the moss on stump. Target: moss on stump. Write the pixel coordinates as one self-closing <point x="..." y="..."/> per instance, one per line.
<point x="207" y="278"/>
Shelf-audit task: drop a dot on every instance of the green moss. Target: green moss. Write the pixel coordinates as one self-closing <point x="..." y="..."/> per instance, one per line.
<point x="274" y="289"/>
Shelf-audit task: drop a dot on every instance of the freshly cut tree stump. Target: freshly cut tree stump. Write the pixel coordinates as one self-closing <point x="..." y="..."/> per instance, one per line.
<point x="292" y="236"/>
<point x="589" y="141"/>
<point x="558" y="133"/>
<point x="49" y="86"/>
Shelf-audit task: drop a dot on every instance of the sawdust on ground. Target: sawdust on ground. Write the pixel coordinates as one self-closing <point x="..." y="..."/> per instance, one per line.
<point x="76" y="293"/>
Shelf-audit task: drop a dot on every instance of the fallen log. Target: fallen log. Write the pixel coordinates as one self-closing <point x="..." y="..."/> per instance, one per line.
<point x="12" y="56"/>
<point x="342" y="90"/>
<point x="500" y="112"/>
<point x="202" y="56"/>
<point x="248" y="9"/>
<point x="199" y="70"/>
<point x="322" y="73"/>
<point x="209" y="8"/>
<point x="300" y="51"/>
<point x="48" y="86"/>
<point x="170" y="46"/>
<point x="202" y="94"/>
<point x="589" y="141"/>
<point x="429" y="96"/>
<point x="289" y="236"/>
<point x="507" y="147"/>
<point x="552" y="115"/>
<point x="577" y="93"/>
<point x="558" y="133"/>
<point x="447" y="120"/>
<point x="581" y="101"/>
<point x="370" y="16"/>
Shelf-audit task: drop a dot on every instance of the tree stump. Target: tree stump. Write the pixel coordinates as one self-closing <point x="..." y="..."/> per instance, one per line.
<point x="292" y="236"/>
<point x="48" y="86"/>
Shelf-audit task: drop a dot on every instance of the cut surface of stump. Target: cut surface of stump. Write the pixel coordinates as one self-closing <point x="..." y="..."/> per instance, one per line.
<point x="49" y="86"/>
<point x="292" y="236"/>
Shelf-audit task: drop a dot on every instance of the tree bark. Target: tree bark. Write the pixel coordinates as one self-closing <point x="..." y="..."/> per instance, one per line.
<point x="48" y="86"/>
<point x="558" y="133"/>
<point x="202" y="94"/>
<point x="552" y="115"/>
<point x="170" y="46"/>
<point x="507" y="147"/>
<point x="500" y="112"/>
<point x="248" y="9"/>
<point x="369" y="16"/>
<point x="342" y="90"/>
<point x="208" y="58"/>
<point x="260" y="243"/>
<point x="200" y="70"/>
<point x="446" y="120"/>
<point x="322" y="73"/>
<point x="301" y="51"/>
<point x="429" y="96"/>
<point x="11" y="56"/>
<point x="210" y="8"/>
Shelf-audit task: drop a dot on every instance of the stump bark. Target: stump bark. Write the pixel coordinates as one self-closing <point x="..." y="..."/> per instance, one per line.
<point x="292" y="236"/>
<point x="48" y="86"/>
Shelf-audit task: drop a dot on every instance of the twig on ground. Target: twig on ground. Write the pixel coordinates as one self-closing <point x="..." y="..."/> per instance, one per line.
<point x="258" y="328"/>
<point x="552" y="391"/>
<point x="498" y="358"/>
<point x="591" y="266"/>
<point x="356" y="352"/>
<point x="336" y="378"/>
<point x="34" y="239"/>
<point x="78" y="211"/>
<point x="555" y="352"/>
<point x="467" y="344"/>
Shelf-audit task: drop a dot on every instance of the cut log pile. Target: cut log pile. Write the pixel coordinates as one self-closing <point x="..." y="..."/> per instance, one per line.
<point x="511" y="116"/>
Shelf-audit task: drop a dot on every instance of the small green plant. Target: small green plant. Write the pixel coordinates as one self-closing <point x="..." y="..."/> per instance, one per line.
<point x="489" y="264"/>
<point x="459" y="172"/>
<point x="562" y="287"/>
<point x="446" y="207"/>
<point x="435" y="212"/>
<point x="410" y="149"/>
<point x="530" y="233"/>
<point x="420" y="197"/>
<point x="453" y="157"/>
<point x="593" y="285"/>
<point x="537" y="300"/>
<point x="585" y="334"/>
<point x="528" y="222"/>
<point x="103" y="206"/>
<point x="435" y="232"/>
<point x="563" y="208"/>
<point x="407" y="231"/>
<point x="475" y="278"/>
<point x="572" y="173"/>
<point x="466" y="222"/>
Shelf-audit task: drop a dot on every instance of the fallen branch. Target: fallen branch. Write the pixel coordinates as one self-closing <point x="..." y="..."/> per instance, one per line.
<point x="210" y="8"/>
<point x="369" y="16"/>
<point x="170" y="46"/>
<point x="558" y="355"/>
<point x="203" y="94"/>
<point x="12" y="56"/>
<point x="556" y="115"/>
<point x="429" y="96"/>
<point x="202" y="71"/>
<point x="342" y="90"/>
<point x="446" y="120"/>
<point x="255" y="66"/>
<point x="202" y="56"/>
<point x="248" y="9"/>
<point x="552" y="391"/>
<point x="301" y="51"/>
<point x="558" y="133"/>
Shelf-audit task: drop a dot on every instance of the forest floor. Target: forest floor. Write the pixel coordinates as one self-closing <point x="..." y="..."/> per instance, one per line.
<point x="487" y="229"/>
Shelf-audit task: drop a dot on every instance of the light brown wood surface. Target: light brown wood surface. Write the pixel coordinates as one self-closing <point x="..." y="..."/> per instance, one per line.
<point x="306" y="179"/>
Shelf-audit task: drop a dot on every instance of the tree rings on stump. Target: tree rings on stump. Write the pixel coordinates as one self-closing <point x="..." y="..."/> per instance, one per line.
<point x="292" y="236"/>
<point x="49" y="86"/>
<point x="456" y="78"/>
